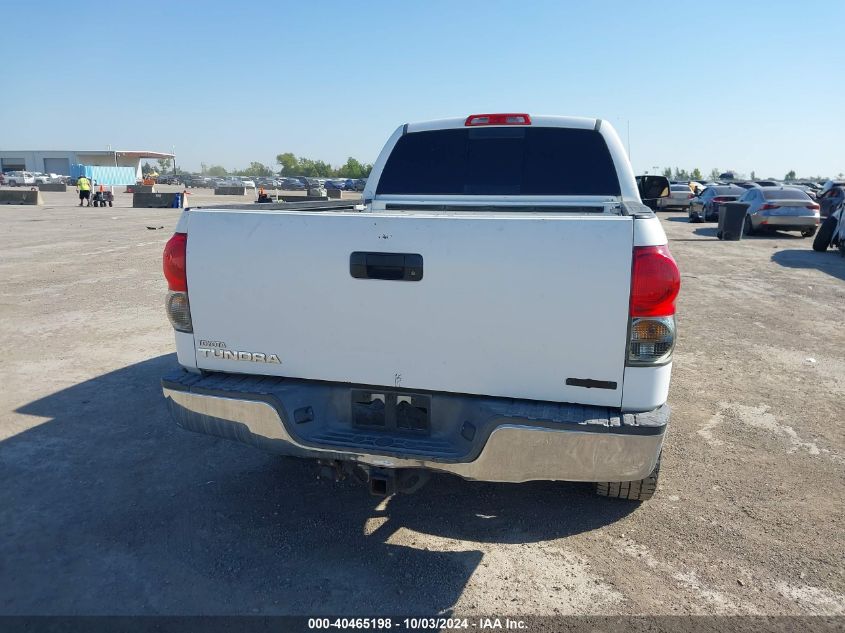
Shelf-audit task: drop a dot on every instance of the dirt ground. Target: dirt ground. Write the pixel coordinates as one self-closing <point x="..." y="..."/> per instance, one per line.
<point x="106" y="507"/>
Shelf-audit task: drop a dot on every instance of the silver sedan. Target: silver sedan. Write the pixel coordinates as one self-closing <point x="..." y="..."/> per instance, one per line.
<point x="780" y="208"/>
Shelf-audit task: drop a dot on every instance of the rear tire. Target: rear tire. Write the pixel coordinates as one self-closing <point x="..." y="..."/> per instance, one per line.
<point x="641" y="490"/>
<point x="748" y="227"/>
<point x="825" y="234"/>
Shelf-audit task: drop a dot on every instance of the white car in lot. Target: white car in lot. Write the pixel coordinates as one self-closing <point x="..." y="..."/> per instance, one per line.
<point x="46" y="179"/>
<point x="20" y="178"/>
<point x="679" y="198"/>
<point x="249" y="183"/>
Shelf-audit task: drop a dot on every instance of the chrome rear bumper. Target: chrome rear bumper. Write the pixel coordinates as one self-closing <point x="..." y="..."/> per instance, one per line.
<point x="512" y="452"/>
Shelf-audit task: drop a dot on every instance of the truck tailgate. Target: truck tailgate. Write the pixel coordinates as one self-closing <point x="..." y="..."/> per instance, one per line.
<point x="521" y="306"/>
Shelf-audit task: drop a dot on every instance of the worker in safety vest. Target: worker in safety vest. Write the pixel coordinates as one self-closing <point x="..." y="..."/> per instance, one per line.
<point x="83" y="186"/>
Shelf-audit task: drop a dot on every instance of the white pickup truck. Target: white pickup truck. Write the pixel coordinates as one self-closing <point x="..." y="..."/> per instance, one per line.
<point x="500" y="307"/>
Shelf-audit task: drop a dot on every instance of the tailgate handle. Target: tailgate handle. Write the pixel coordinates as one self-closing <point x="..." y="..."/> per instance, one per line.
<point x="390" y="266"/>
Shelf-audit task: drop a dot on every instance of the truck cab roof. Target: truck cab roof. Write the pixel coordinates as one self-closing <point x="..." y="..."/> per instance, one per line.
<point x="503" y="159"/>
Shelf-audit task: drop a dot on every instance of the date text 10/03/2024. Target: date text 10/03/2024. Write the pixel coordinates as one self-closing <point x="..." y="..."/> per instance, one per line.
<point x="381" y="624"/>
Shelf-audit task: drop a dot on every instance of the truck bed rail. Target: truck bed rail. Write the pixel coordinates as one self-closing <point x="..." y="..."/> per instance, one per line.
<point x="331" y="205"/>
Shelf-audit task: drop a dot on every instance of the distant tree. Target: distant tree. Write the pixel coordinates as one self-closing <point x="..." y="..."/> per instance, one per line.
<point x="146" y="168"/>
<point x="696" y="174"/>
<point x="753" y="175"/>
<point x="163" y="165"/>
<point x="352" y="169"/>
<point x="680" y="174"/>
<point x="289" y="164"/>
<point x="255" y="169"/>
<point x="203" y="168"/>
<point x="714" y="173"/>
<point x="313" y="168"/>
<point x="667" y="173"/>
<point x="790" y="175"/>
<point x="216" y="171"/>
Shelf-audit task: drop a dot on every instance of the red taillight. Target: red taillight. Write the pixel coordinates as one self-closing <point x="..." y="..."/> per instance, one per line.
<point x="174" y="262"/>
<point x="813" y="206"/>
<point x="498" y="119"/>
<point x="767" y="206"/>
<point x="655" y="282"/>
<point x="690" y="196"/>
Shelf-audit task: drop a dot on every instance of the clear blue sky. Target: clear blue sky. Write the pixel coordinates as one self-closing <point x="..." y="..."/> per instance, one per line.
<point x="742" y="85"/>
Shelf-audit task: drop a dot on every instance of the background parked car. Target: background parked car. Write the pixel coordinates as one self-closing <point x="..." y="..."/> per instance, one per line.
<point x="679" y="197"/>
<point x="830" y="184"/>
<point x="200" y="181"/>
<point x="20" y="178"/>
<point x="808" y="190"/>
<point x="292" y="184"/>
<point x="45" y="179"/>
<point x="832" y="231"/>
<point x="780" y="208"/>
<point x="831" y="199"/>
<point x="705" y="206"/>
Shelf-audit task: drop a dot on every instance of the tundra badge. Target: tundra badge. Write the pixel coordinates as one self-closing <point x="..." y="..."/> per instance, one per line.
<point x="228" y="354"/>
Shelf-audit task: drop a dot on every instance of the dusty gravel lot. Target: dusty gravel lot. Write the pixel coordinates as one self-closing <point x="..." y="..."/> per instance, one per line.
<point x="106" y="507"/>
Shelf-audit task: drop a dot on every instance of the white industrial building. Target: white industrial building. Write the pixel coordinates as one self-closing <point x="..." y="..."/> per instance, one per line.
<point x="59" y="162"/>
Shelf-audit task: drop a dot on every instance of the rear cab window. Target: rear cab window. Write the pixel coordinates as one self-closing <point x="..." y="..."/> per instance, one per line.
<point x="514" y="161"/>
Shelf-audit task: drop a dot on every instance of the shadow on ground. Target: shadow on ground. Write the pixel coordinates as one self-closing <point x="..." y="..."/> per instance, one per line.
<point x="775" y="235"/>
<point x="706" y="231"/>
<point x="829" y="262"/>
<point x="108" y="507"/>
